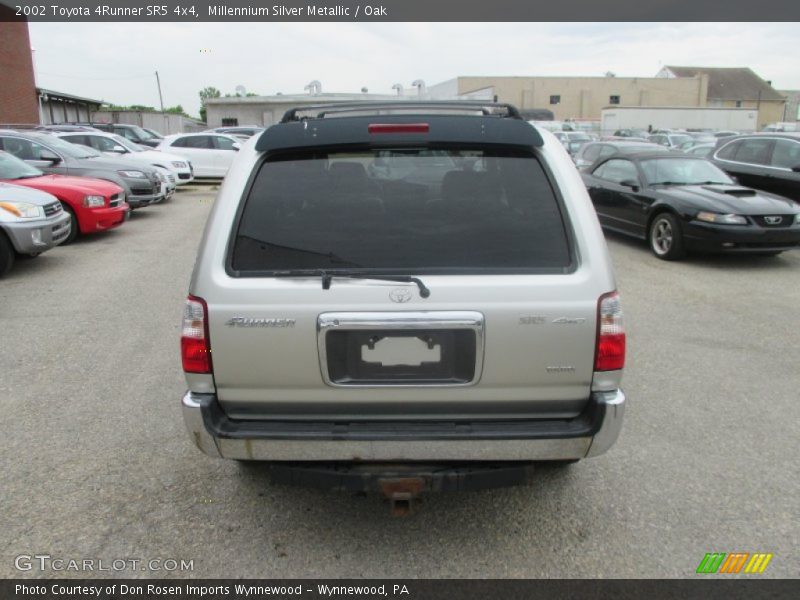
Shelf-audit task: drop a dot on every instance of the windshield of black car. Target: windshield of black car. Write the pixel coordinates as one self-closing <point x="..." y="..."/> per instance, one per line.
<point x="402" y="210"/>
<point x="13" y="168"/>
<point x="682" y="171"/>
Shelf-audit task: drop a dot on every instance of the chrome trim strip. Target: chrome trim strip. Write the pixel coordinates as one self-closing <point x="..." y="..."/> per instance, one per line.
<point x="488" y="450"/>
<point x="401" y="321"/>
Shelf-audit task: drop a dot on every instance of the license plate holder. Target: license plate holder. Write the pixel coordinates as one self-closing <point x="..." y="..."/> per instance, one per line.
<point x="364" y="357"/>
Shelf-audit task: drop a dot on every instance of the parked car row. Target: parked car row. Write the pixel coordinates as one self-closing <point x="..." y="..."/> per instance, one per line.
<point x="739" y="194"/>
<point x="77" y="180"/>
<point x="54" y="156"/>
<point x="210" y="152"/>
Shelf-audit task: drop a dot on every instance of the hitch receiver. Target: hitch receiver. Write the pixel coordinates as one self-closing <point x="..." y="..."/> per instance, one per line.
<point x="401" y="492"/>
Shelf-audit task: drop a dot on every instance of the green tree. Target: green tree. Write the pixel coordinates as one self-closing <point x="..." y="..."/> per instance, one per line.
<point x="205" y="94"/>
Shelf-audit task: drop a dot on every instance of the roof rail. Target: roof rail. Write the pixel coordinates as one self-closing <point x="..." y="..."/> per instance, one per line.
<point x="320" y="111"/>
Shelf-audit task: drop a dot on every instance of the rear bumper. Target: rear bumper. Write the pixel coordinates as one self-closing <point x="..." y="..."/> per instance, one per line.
<point x="591" y="433"/>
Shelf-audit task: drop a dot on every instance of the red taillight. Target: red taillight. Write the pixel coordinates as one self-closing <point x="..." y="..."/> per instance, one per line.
<point x="610" y="349"/>
<point x="195" y="344"/>
<point x="398" y="128"/>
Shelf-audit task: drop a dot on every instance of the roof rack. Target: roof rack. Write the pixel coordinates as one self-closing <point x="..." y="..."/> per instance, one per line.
<point x="321" y="111"/>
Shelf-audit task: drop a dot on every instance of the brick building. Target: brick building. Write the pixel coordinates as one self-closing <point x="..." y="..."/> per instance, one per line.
<point x="18" y="98"/>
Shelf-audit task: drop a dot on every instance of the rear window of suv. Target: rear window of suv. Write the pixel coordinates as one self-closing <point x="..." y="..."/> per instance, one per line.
<point x="409" y="210"/>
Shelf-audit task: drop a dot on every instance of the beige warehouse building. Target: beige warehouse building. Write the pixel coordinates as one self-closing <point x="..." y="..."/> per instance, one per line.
<point x="585" y="97"/>
<point x="578" y="97"/>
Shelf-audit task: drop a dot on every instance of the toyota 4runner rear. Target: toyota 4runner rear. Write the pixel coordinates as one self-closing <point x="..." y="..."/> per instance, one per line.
<point x="403" y="297"/>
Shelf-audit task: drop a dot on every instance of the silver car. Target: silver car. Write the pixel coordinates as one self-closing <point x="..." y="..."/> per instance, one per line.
<point x="403" y="298"/>
<point x="52" y="155"/>
<point x="31" y="222"/>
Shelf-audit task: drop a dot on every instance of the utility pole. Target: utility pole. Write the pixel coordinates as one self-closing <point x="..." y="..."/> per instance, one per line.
<point x="160" y="97"/>
<point x="161" y="100"/>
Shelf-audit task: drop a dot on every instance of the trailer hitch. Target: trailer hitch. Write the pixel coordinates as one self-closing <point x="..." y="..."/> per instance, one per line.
<point x="402" y="493"/>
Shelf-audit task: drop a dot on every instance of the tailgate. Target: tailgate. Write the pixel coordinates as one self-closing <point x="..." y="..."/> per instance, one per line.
<point x="517" y="348"/>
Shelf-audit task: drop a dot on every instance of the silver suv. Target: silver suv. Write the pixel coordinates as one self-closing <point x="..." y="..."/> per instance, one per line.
<point x="31" y="222"/>
<point x="403" y="297"/>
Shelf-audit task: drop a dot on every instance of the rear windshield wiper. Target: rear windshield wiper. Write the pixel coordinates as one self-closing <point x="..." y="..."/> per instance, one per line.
<point x="333" y="258"/>
<point x="327" y="276"/>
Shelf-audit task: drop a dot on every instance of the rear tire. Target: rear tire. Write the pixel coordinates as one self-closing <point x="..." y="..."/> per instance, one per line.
<point x="6" y="254"/>
<point x="666" y="238"/>
<point x="74" y="230"/>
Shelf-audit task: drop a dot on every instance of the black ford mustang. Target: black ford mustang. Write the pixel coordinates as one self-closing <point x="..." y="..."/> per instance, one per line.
<point x="679" y="203"/>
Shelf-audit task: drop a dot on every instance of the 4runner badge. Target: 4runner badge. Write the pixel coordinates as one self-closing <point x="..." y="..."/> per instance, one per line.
<point x="569" y="321"/>
<point x="400" y="295"/>
<point x="249" y="322"/>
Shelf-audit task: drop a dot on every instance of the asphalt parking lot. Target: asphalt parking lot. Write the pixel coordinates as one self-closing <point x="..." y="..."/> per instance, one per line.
<point x="97" y="464"/>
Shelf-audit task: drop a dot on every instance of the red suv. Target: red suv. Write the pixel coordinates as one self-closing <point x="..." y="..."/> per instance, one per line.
<point x="93" y="204"/>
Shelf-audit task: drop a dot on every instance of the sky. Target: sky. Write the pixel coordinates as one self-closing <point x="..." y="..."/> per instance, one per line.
<point x="116" y="62"/>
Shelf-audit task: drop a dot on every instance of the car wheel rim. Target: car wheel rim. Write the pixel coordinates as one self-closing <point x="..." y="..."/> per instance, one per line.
<point x="662" y="237"/>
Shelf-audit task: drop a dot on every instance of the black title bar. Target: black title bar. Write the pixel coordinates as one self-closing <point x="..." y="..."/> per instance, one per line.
<point x="375" y="11"/>
<point x="409" y="589"/>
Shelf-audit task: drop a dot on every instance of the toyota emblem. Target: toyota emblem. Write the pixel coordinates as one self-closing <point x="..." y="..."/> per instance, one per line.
<point x="400" y="295"/>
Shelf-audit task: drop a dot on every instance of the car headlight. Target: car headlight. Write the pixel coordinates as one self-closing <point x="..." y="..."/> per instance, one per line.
<point x="720" y="219"/>
<point x="133" y="174"/>
<point x="23" y="210"/>
<point x="797" y="218"/>
<point x="94" y="201"/>
<point x="179" y="165"/>
<point x="160" y="176"/>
